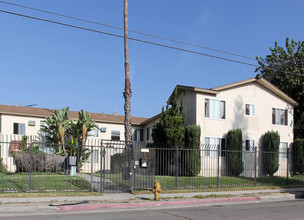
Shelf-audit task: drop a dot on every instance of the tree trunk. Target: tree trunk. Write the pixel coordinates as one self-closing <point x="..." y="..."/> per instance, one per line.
<point x="127" y="94"/>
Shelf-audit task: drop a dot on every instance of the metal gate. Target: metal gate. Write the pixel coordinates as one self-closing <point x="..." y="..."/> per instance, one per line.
<point x="125" y="167"/>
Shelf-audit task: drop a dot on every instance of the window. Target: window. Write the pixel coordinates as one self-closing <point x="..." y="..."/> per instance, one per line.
<point x="249" y="145"/>
<point x="279" y="116"/>
<point x="212" y="146"/>
<point x="115" y="135"/>
<point x="19" y="128"/>
<point x="149" y="133"/>
<point x="283" y="150"/>
<point x="93" y="157"/>
<point x="94" y="132"/>
<point x="138" y="134"/>
<point x="215" y="109"/>
<point x="249" y="109"/>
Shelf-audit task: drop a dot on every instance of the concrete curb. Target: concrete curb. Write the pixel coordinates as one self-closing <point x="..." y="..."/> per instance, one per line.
<point x="147" y="204"/>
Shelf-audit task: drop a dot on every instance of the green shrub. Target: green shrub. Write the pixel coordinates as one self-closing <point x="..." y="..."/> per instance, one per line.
<point x="191" y="155"/>
<point x="235" y="164"/>
<point x="3" y="168"/>
<point x="271" y="152"/>
<point x="298" y="156"/>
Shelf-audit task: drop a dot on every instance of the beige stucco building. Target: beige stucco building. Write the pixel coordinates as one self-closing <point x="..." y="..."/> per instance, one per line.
<point x="254" y="105"/>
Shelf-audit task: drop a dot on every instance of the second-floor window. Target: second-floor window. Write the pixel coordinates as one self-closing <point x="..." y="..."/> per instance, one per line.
<point x="279" y="116"/>
<point x="115" y="135"/>
<point x="249" y="109"/>
<point x="19" y="128"/>
<point x="215" y="109"/>
<point x="149" y="133"/>
<point x="138" y="134"/>
<point x="94" y="132"/>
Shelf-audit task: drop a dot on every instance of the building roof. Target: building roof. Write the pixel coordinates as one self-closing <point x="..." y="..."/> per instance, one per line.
<point x="45" y="112"/>
<point x="261" y="81"/>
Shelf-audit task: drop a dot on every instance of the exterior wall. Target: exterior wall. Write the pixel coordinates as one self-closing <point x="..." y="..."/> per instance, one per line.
<point x="253" y="127"/>
<point x="190" y="106"/>
<point x="6" y="135"/>
<point x="8" y="121"/>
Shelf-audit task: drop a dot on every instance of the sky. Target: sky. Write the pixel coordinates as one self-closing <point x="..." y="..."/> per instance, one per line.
<point x="55" y="66"/>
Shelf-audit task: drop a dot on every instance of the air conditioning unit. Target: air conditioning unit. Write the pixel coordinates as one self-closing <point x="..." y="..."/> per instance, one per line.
<point x="103" y="129"/>
<point x="31" y="123"/>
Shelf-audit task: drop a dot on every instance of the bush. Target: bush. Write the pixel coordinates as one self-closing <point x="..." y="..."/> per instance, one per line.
<point x="191" y="154"/>
<point x="271" y="152"/>
<point x="34" y="160"/>
<point x="235" y="164"/>
<point x="298" y="156"/>
<point x="3" y="168"/>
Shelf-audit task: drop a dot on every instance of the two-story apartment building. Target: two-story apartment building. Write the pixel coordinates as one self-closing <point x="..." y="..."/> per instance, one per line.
<point x="254" y="105"/>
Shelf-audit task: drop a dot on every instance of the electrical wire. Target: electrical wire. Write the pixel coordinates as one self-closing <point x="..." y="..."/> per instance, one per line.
<point x="139" y="40"/>
<point x="137" y="32"/>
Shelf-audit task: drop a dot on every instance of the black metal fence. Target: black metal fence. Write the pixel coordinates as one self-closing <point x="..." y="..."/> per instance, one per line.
<point x="114" y="166"/>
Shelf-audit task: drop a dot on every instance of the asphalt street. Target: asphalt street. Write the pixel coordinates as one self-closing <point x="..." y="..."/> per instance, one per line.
<point x="292" y="209"/>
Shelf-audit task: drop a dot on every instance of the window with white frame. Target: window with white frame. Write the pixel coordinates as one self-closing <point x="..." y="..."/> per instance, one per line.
<point x="283" y="150"/>
<point x="249" y="109"/>
<point x="215" y="109"/>
<point x="249" y="145"/>
<point x="115" y="135"/>
<point x="279" y="116"/>
<point x="212" y="146"/>
<point x="138" y="134"/>
<point x="94" y="132"/>
<point x="19" y="128"/>
<point x="149" y="133"/>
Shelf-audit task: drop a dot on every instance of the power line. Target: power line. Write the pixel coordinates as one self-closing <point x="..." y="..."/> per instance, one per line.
<point x="142" y="41"/>
<point x="137" y="32"/>
<point x="130" y="38"/>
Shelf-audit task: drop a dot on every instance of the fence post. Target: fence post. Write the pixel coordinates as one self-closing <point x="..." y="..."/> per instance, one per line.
<point x="218" y="165"/>
<point x="102" y="151"/>
<point x="30" y="162"/>
<point x="91" y="168"/>
<point x="255" y="164"/>
<point x="130" y="146"/>
<point x="287" y="167"/>
<point x="176" y="165"/>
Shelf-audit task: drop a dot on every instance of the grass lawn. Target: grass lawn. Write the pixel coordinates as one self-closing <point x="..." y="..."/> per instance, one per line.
<point x="170" y="182"/>
<point x="23" y="182"/>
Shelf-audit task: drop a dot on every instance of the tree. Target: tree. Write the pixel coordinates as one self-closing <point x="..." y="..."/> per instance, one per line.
<point x="298" y="156"/>
<point x="127" y="94"/>
<point x="276" y="68"/>
<point x="235" y="164"/>
<point x="55" y="128"/>
<point x="69" y="134"/>
<point x="84" y="125"/>
<point x="169" y="130"/>
<point x="191" y="155"/>
<point x="271" y="152"/>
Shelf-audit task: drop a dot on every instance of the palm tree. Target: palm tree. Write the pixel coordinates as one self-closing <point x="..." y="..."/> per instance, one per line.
<point x="56" y="126"/>
<point x="85" y="124"/>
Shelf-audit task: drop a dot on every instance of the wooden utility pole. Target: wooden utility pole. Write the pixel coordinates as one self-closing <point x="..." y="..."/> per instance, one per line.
<point x="127" y="93"/>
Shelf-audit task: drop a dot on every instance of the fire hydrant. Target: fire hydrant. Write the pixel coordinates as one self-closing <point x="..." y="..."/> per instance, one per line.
<point x="156" y="190"/>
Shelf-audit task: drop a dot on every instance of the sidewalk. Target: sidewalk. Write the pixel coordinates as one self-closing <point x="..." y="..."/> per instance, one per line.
<point x="125" y="198"/>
